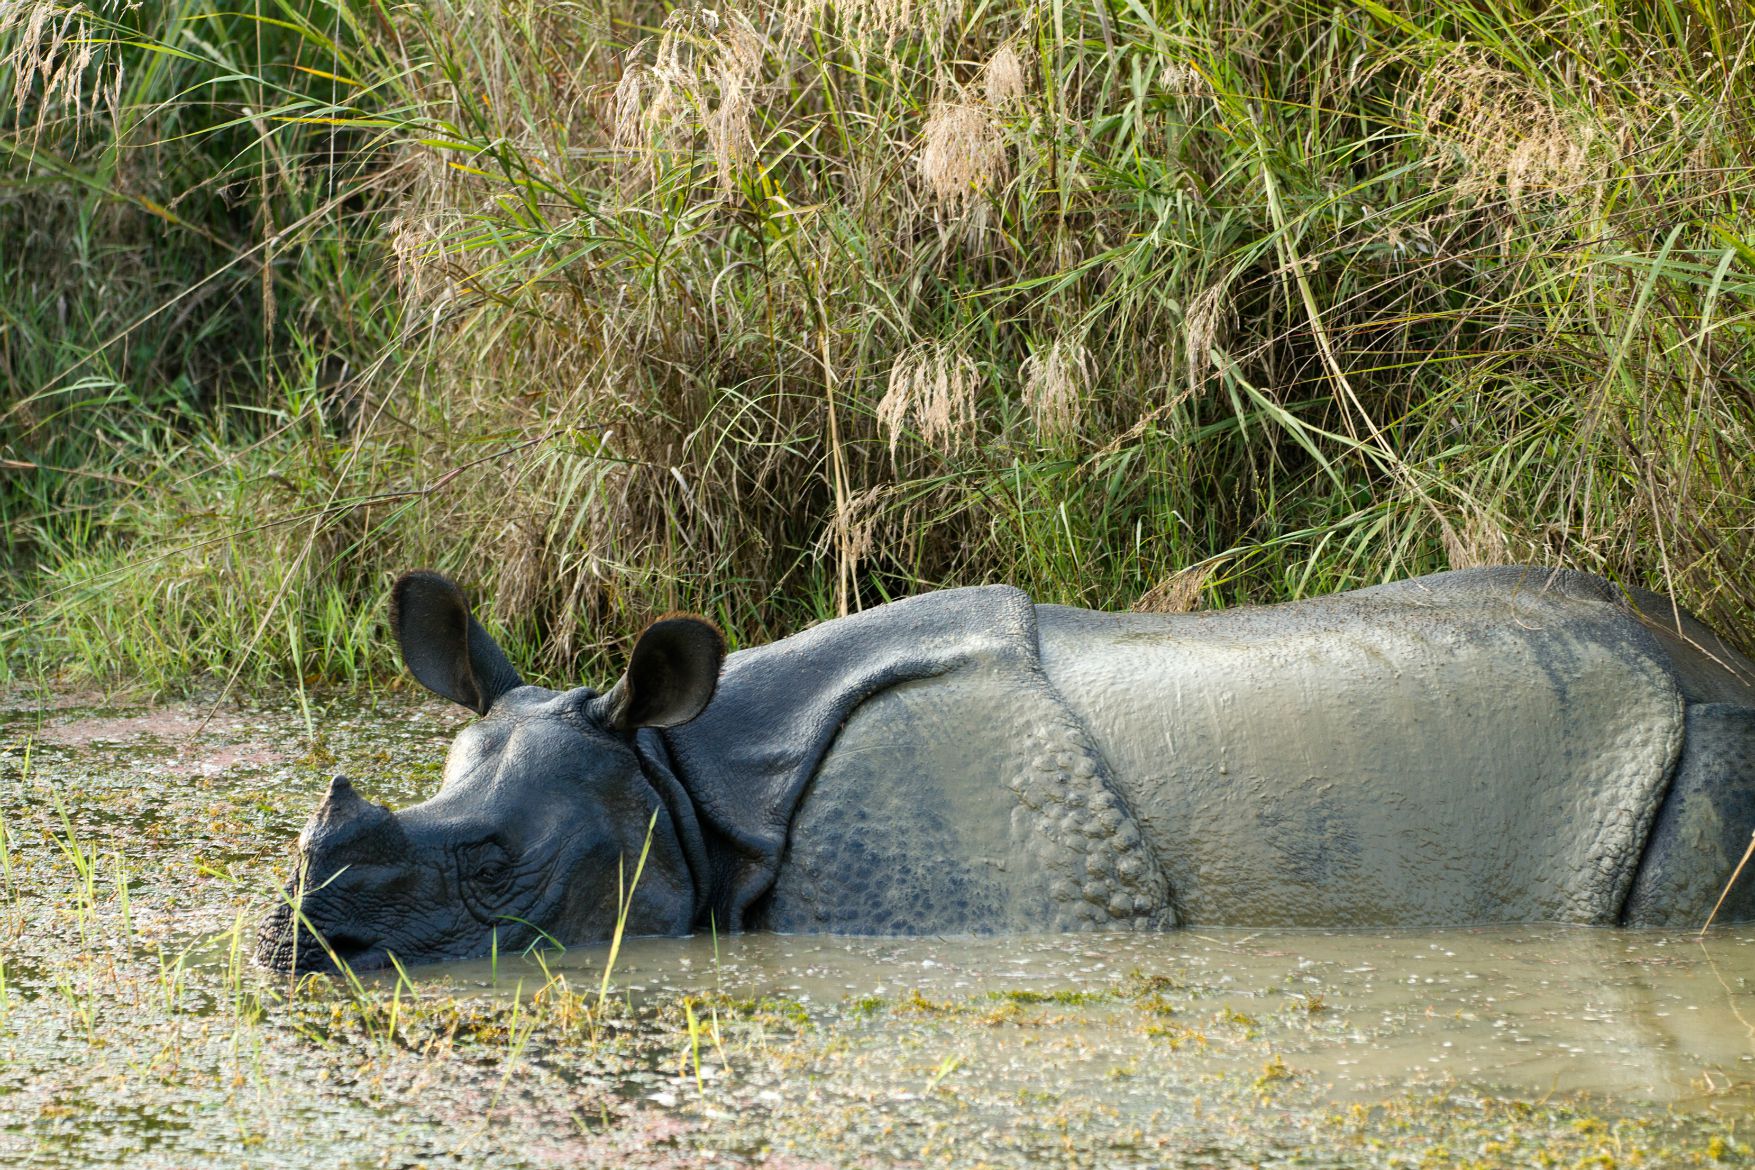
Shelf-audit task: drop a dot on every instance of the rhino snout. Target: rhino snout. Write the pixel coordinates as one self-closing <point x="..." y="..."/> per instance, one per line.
<point x="356" y="876"/>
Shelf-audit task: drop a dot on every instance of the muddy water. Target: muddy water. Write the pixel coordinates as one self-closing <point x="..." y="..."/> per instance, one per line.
<point x="1525" y="1010"/>
<point x="140" y="846"/>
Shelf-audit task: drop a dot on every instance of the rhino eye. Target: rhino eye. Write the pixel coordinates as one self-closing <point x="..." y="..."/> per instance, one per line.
<point x="486" y="869"/>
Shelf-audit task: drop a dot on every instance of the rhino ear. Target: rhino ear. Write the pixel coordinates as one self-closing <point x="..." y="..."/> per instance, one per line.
<point x="671" y="675"/>
<point x="443" y="646"/>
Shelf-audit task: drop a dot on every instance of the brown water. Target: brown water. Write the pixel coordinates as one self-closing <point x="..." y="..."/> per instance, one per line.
<point x="1529" y="1010"/>
<point x="139" y="852"/>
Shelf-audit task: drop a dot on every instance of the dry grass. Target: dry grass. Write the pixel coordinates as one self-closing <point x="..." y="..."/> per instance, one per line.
<point x="934" y="387"/>
<point x="962" y="154"/>
<point x="773" y="309"/>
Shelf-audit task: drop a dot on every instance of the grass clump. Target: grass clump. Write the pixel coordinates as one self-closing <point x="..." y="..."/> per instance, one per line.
<point x="778" y="310"/>
<point x="1061" y="997"/>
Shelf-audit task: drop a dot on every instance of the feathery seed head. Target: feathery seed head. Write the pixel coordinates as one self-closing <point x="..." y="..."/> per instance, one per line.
<point x="1056" y="380"/>
<point x="736" y="65"/>
<point x="1003" y="78"/>
<point x="703" y="79"/>
<point x="934" y="384"/>
<point x="52" y="46"/>
<point x="962" y="156"/>
<point x="1511" y="135"/>
<point x="1177" y="593"/>
<point x="418" y="246"/>
<point x="1181" y="79"/>
<point x="886" y="20"/>
<point x="1480" y="542"/>
<point x="1204" y="326"/>
<point x="630" y="98"/>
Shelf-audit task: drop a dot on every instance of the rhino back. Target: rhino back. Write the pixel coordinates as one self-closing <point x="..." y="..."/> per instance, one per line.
<point x="1479" y="746"/>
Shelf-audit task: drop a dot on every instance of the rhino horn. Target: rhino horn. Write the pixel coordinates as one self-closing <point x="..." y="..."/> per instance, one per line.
<point x="345" y="818"/>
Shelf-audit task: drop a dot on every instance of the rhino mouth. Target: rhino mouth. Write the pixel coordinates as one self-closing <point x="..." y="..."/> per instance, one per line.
<point x="358" y="953"/>
<point x="283" y="946"/>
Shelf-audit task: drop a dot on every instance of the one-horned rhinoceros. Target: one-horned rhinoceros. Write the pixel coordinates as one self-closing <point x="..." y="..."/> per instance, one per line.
<point x="1488" y="745"/>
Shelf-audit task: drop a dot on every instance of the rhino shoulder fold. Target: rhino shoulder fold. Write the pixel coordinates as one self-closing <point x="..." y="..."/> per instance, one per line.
<point x="746" y="760"/>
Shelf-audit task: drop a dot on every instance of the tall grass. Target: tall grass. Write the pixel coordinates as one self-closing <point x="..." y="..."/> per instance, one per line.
<point x="779" y="310"/>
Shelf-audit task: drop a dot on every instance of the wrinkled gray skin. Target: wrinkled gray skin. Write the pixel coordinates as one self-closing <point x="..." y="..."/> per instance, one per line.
<point x="1490" y="745"/>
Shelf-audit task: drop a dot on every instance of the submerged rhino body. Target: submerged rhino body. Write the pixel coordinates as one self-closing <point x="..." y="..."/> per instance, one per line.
<point x="1490" y="745"/>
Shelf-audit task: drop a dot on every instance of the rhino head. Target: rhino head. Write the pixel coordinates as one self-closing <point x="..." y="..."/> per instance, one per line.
<point x="540" y="822"/>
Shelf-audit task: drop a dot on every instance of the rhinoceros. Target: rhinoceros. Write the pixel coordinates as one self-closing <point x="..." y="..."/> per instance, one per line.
<point x="1479" y="746"/>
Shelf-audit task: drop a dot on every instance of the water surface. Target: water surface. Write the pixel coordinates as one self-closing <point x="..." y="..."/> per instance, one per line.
<point x="1635" y="1014"/>
<point x="141" y="846"/>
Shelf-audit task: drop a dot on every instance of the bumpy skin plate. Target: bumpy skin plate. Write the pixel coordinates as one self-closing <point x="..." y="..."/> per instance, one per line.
<point x="910" y="770"/>
<point x="922" y="818"/>
<point x="1483" y="746"/>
